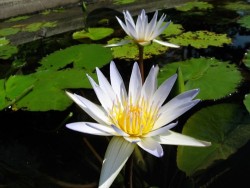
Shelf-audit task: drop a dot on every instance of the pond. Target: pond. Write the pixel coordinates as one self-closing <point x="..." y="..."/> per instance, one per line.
<point x="46" y="53"/>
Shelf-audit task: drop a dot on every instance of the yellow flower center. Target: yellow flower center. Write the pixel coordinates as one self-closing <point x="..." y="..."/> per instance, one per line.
<point x="135" y="120"/>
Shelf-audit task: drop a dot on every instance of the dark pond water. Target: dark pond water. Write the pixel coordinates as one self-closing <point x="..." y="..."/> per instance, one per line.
<point x="36" y="150"/>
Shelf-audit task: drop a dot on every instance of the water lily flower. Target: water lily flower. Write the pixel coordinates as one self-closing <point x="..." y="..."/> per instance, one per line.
<point x="143" y="32"/>
<point x="137" y="117"/>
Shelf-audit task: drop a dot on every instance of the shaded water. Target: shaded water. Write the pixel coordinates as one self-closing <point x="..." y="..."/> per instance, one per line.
<point x="36" y="150"/>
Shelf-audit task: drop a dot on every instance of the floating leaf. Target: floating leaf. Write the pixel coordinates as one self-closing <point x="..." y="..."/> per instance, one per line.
<point x="93" y="33"/>
<point x="237" y="6"/>
<point x="78" y="56"/>
<point x="172" y="29"/>
<point x="245" y="21"/>
<point x="6" y="51"/>
<point x="214" y="78"/>
<point x="39" y="25"/>
<point x="194" y="5"/>
<point x="17" y="18"/>
<point x="123" y="2"/>
<point x="246" y="59"/>
<point x="8" y="31"/>
<point x="47" y="92"/>
<point x="4" y="41"/>
<point x="247" y="102"/>
<point x="201" y="39"/>
<point x="226" y="126"/>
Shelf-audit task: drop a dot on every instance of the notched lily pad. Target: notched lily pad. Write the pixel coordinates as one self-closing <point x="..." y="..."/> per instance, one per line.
<point x="93" y="33"/>
<point x="201" y="39"/>
<point x="82" y="56"/>
<point x="199" y="5"/>
<point x="215" y="79"/>
<point x="8" y="31"/>
<point x="245" y="21"/>
<point x="226" y="126"/>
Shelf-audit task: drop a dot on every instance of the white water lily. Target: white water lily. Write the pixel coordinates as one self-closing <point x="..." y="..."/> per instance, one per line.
<point x="143" y="32"/>
<point x="137" y="117"/>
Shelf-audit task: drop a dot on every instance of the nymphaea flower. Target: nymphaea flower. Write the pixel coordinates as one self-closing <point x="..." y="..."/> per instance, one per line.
<point x="138" y="117"/>
<point x="143" y="32"/>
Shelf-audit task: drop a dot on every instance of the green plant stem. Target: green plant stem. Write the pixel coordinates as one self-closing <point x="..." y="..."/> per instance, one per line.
<point x="129" y="172"/>
<point x="141" y="66"/>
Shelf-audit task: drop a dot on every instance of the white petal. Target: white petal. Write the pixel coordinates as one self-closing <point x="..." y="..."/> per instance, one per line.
<point x="123" y="42"/>
<point x="119" y="131"/>
<point x="163" y="91"/>
<point x="135" y="84"/>
<point x="161" y="130"/>
<point x="124" y="27"/>
<point x="159" y="30"/>
<point x="117" y="83"/>
<point x="173" y="113"/>
<point x="151" y="146"/>
<point x="150" y="84"/>
<point x="92" y="128"/>
<point x="151" y="25"/>
<point x="173" y="138"/>
<point x="117" y="154"/>
<point x="104" y="99"/>
<point x="93" y="110"/>
<point x="132" y="139"/>
<point x="166" y="43"/>
<point x="180" y="99"/>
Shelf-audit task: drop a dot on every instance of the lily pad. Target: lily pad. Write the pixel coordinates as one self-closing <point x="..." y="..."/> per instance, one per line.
<point x="172" y="29"/>
<point x="15" y="19"/>
<point x="93" y="33"/>
<point x="247" y="102"/>
<point x="201" y="39"/>
<point x="214" y="78"/>
<point x="78" y="56"/>
<point x="47" y="89"/>
<point x="199" y="5"/>
<point x="246" y="59"/>
<point x="6" y="51"/>
<point x="39" y="25"/>
<point x="4" y="41"/>
<point x="226" y="126"/>
<point x="8" y="31"/>
<point x="245" y="21"/>
<point x="123" y="2"/>
<point x="237" y="6"/>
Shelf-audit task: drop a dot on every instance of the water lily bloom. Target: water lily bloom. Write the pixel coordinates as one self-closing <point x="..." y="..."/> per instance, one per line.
<point x="143" y="32"/>
<point x="137" y="117"/>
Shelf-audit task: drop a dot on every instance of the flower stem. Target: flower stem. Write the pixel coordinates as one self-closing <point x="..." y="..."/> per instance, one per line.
<point x="141" y="48"/>
<point x="129" y="172"/>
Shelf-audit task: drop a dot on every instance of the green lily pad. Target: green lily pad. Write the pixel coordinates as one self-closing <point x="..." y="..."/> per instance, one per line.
<point x="236" y="6"/>
<point x="47" y="92"/>
<point x="214" y="78"/>
<point x="201" y="39"/>
<point x="4" y="41"/>
<point x="15" y="19"/>
<point x="247" y="102"/>
<point x="245" y="21"/>
<point x="123" y="2"/>
<point x="226" y="126"/>
<point x="93" y="33"/>
<point x="39" y="25"/>
<point x="199" y="5"/>
<point x="78" y="56"/>
<point x="6" y="51"/>
<point x="8" y="31"/>
<point x="246" y="59"/>
<point x="172" y="29"/>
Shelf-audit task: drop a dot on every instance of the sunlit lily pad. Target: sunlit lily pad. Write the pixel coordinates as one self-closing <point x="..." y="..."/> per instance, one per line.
<point x="46" y="89"/>
<point x="8" y="31"/>
<point x="39" y="25"/>
<point x="201" y="39"/>
<point x="245" y="21"/>
<point x="199" y="5"/>
<point x="6" y="49"/>
<point x="247" y="102"/>
<point x="87" y="56"/>
<point x="226" y="126"/>
<point x="15" y="19"/>
<point x="214" y="78"/>
<point x="246" y="59"/>
<point x="172" y="29"/>
<point x="237" y="6"/>
<point x="123" y="2"/>
<point x="93" y="33"/>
